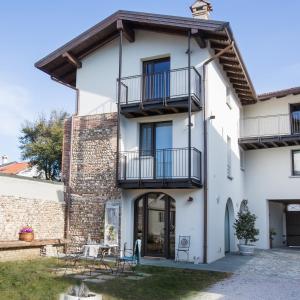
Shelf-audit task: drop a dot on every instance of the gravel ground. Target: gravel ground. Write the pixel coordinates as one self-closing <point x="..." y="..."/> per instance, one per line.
<point x="270" y="275"/>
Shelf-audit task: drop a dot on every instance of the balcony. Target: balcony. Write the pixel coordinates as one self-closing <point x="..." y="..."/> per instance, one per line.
<point x="165" y="168"/>
<point x="270" y="131"/>
<point x="160" y="93"/>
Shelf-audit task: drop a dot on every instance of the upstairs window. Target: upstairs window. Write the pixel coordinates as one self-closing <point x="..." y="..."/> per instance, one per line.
<point x="228" y="97"/>
<point x="295" y="118"/>
<point x="296" y="162"/>
<point x="229" y="167"/>
<point x="242" y="159"/>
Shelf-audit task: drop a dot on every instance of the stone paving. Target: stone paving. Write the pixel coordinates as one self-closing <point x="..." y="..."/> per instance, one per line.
<point x="269" y="275"/>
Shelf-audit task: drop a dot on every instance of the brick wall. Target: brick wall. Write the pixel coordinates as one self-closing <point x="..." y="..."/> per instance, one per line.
<point x="93" y="174"/>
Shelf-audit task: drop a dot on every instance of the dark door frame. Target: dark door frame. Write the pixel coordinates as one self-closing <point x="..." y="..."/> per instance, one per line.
<point x="144" y="199"/>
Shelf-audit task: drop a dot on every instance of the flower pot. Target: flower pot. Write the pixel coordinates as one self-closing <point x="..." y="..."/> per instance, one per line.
<point x="26" y="236"/>
<point x="246" y="249"/>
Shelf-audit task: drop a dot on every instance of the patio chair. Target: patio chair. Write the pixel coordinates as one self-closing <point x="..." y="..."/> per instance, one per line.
<point x="183" y="246"/>
<point x="129" y="257"/>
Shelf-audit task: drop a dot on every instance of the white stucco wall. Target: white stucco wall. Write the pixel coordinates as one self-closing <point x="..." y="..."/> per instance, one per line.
<point x="96" y="80"/>
<point x="30" y="188"/>
<point x="220" y="187"/>
<point x="189" y="216"/>
<point x="268" y="177"/>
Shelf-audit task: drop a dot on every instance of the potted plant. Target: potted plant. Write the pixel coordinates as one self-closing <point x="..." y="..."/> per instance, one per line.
<point x="26" y="234"/>
<point x="246" y="232"/>
<point x="80" y="293"/>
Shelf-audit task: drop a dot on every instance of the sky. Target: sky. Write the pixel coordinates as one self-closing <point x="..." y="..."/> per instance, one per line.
<point x="266" y="32"/>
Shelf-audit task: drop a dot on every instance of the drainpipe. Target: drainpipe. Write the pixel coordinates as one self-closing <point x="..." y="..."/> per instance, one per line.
<point x="205" y="156"/>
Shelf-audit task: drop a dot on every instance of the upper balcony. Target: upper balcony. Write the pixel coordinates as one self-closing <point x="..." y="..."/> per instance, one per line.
<point x="270" y="131"/>
<point x="160" y="93"/>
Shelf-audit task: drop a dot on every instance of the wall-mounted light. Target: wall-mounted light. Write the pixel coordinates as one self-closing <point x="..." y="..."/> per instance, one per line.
<point x="190" y="199"/>
<point x="211" y="117"/>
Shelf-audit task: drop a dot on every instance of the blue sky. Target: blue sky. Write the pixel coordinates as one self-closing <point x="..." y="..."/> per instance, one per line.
<point x="266" y="31"/>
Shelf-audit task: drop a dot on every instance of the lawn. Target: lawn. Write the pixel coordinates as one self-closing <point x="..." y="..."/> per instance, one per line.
<point x="32" y="280"/>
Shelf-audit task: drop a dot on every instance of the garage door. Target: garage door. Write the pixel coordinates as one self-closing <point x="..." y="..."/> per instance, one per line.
<point x="293" y="228"/>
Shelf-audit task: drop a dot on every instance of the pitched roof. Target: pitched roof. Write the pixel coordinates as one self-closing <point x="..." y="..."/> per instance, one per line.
<point x="13" y="168"/>
<point x="60" y="67"/>
<point x="279" y="94"/>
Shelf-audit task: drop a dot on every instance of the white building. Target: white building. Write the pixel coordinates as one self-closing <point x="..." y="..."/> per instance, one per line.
<point x="171" y="97"/>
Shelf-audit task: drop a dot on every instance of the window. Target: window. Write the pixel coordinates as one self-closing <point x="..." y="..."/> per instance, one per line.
<point x="242" y="159"/>
<point x="296" y="162"/>
<point x="228" y="97"/>
<point x="295" y="118"/>
<point x="229" y="171"/>
<point x="146" y="139"/>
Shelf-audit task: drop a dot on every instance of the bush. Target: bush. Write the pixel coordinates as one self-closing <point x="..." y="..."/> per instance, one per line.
<point x="245" y="226"/>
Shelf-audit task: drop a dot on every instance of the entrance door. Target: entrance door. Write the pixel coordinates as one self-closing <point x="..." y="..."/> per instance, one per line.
<point x="157" y="79"/>
<point x="227" y="230"/>
<point x="155" y="224"/>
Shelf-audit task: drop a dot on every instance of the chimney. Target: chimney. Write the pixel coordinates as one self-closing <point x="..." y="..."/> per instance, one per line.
<point x="201" y="9"/>
<point x="4" y="160"/>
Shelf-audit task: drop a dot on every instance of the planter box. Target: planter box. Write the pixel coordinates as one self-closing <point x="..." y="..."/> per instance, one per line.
<point x="246" y="249"/>
<point x="26" y="236"/>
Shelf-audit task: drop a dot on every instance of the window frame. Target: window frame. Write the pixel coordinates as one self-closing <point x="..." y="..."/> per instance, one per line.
<point x="229" y="158"/>
<point x="294" y="173"/>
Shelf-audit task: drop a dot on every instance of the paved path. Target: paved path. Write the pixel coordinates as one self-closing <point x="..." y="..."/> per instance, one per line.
<point x="269" y="275"/>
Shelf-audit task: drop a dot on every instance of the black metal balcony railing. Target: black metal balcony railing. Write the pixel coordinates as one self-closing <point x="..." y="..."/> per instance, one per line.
<point x="164" y="86"/>
<point x="164" y="164"/>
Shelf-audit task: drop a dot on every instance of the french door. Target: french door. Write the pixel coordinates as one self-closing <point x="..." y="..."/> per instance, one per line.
<point x="156" y="81"/>
<point x="156" y="141"/>
<point x="155" y="224"/>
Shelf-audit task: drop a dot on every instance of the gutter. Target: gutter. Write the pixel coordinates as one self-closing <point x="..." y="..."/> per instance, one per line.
<point x="205" y="165"/>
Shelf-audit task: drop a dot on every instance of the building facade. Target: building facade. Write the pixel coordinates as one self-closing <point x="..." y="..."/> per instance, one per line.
<point x="163" y="145"/>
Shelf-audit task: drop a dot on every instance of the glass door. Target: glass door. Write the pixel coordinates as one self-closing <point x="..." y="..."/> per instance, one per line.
<point x="163" y="149"/>
<point x="157" y="79"/>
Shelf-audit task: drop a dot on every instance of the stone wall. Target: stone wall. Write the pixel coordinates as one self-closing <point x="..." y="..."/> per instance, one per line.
<point x="46" y="217"/>
<point x="37" y="203"/>
<point x="93" y="174"/>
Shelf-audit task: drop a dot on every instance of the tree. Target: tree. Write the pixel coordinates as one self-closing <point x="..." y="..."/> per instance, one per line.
<point x="41" y="143"/>
<point x="245" y="226"/>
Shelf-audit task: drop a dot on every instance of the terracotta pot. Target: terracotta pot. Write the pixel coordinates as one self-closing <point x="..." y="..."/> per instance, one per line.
<point x="26" y="236"/>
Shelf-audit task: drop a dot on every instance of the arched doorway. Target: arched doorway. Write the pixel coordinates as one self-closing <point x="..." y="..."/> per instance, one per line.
<point x="154" y="224"/>
<point x="228" y="226"/>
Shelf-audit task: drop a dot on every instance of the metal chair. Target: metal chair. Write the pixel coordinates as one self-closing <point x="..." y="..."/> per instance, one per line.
<point x="130" y="257"/>
<point x="183" y="246"/>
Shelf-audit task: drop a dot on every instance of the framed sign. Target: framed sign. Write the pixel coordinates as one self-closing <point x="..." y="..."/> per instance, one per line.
<point x="111" y="233"/>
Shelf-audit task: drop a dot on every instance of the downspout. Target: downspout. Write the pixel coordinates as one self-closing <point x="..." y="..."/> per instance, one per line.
<point x="189" y="109"/>
<point x="205" y="155"/>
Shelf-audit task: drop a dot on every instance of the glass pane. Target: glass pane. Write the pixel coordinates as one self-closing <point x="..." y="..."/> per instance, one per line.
<point x="140" y="219"/>
<point x="146" y="139"/>
<point x="295" y="115"/>
<point x="163" y="142"/>
<point x="296" y="162"/>
<point x="172" y="227"/>
<point x="156" y="225"/>
<point x="157" y="79"/>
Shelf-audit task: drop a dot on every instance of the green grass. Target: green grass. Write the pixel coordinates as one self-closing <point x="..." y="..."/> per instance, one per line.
<point x="32" y="280"/>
